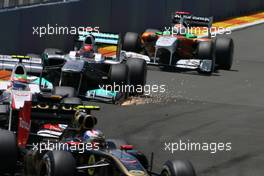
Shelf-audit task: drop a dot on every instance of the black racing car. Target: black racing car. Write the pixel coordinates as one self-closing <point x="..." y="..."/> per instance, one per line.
<point x="113" y="158"/>
<point x="23" y="150"/>
<point x="17" y="142"/>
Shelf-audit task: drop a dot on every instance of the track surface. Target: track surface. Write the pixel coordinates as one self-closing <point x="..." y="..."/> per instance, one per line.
<point x="225" y="107"/>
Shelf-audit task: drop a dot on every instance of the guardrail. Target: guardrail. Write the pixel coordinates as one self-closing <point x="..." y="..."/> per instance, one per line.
<point x="118" y="16"/>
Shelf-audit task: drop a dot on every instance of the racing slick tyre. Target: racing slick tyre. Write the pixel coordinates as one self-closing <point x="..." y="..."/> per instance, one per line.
<point x="131" y="42"/>
<point x="64" y="91"/>
<point x="8" y="152"/>
<point x="224" y="52"/>
<point x="30" y="159"/>
<point x="119" y="74"/>
<point x="57" y="163"/>
<point x="115" y="143"/>
<point x="137" y="71"/>
<point x="178" y="168"/>
<point x="53" y="51"/>
<point x="205" y="51"/>
<point x="3" y="115"/>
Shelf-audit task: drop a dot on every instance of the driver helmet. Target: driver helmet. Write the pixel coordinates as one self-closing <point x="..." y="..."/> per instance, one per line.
<point x="95" y="137"/>
<point x="87" y="48"/>
<point x="87" y="51"/>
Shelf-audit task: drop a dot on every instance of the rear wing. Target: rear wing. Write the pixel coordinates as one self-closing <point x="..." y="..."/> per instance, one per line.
<point x="108" y="44"/>
<point x="62" y="113"/>
<point x="191" y="20"/>
<point x="32" y="64"/>
<point x="46" y="112"/>
<point x="49" y="107"/>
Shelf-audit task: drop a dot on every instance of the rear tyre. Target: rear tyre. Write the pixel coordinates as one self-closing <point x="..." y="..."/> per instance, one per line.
<point x="64" y="91"/>
<point x="224" y="53"/>
<point x="205" y="51"/>
<point x="8" y="152"/>
<point x="137" y="69"/>
<point x="178" y="168"/>
<point x="131" y="42"/>
<point x="57" y="163"/>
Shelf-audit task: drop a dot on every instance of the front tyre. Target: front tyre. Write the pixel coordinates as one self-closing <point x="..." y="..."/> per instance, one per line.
<point x="205" y="52"/>
<point x="57" y="163"/>
<point x="119" y="74"/>
<point x="224" y="52"/>
<point x="8" y="152"/>
<point x="137" y="69"/>
<point x="119" y="78"/>
<point x="178" y="168"/>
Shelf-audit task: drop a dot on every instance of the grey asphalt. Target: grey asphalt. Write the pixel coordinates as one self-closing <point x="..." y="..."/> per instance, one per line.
<point x="225" y="107"/>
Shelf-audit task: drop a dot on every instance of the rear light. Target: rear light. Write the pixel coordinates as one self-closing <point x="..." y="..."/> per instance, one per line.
<point x="126" y="147"/>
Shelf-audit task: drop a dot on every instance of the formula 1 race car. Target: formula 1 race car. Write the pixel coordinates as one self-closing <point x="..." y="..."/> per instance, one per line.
<point x="74" y="150"/>
<point x="180" y="47"/>
<point x="18" y="84"/>
<point x="97" y="69"/>
<point x="47" y="112"/>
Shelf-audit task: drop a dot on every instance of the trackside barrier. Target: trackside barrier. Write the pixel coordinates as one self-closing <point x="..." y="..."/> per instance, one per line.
<point x="110" y="15"/>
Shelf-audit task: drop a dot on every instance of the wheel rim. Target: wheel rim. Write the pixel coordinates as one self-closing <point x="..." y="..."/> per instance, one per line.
<point x="45" y="169"/>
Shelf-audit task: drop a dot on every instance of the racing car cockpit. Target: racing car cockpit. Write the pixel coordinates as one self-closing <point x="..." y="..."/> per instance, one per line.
<point x="19" y="79"/>
<point x="88" y="48"/>
<point x="20" y="70"/>
<point x="95" y="137"/>
<point x="17" y="85"/>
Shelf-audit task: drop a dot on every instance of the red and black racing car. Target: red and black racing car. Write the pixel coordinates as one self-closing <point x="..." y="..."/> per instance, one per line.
<point x="72" y="146"/>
